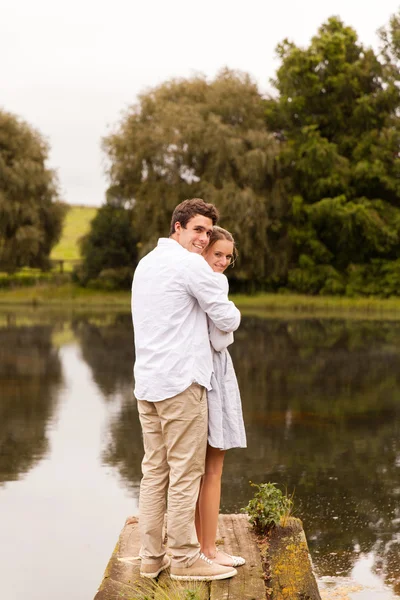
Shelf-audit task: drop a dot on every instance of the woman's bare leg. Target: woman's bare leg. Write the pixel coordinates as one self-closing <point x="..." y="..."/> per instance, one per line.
<point x="208" y="506"/>
<point x="197" y="516"/>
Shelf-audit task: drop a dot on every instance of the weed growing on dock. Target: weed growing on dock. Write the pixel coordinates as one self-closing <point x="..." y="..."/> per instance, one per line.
<point x="269" y="507"/>
<point x="169" y="589"/>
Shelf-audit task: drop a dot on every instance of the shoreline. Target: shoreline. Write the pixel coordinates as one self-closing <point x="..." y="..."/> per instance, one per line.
<point x="71" y="297"/>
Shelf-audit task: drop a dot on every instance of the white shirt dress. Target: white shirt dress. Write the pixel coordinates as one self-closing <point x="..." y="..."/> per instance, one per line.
<point x="225" y="417"/>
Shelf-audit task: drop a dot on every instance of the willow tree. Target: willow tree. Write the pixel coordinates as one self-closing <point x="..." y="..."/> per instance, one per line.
<point x="390" y="46"/>
<point x="337" y="108"/>
<point x="190" y="138"/>
<point x="31" y="215"/>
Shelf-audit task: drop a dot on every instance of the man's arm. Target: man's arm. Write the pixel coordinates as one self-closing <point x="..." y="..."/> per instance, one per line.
<point x="203" y="284"/>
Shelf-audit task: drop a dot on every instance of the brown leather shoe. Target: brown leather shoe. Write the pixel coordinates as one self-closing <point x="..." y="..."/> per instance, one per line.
<point x="151" y="571"/>
<point x="203" y="569"/>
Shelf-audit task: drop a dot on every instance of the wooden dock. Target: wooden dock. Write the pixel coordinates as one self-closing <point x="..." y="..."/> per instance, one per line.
<point x="122" y="579"/>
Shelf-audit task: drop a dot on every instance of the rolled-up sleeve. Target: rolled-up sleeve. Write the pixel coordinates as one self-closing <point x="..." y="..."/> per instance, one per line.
<point x="219" y="339"/>
<point x="203" y="284"/>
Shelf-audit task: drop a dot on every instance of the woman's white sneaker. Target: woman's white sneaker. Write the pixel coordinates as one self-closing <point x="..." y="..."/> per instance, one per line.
<point x="222" y="557"/>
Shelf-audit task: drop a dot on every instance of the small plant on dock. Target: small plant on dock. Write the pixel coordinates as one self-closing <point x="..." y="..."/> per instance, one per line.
<point x="168" y="589"/>
<point x="269" y="507"/>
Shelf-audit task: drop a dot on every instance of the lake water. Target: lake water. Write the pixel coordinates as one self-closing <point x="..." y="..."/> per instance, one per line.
<point x="321" y="401"/>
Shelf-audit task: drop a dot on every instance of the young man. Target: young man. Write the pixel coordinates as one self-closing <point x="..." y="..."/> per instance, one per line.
<point x="173" y="291"/>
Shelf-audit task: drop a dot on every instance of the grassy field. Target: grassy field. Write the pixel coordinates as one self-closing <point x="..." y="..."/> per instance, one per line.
<point x="76" y="225"/>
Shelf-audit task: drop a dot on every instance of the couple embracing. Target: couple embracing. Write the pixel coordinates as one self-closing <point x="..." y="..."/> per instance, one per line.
<point x="187" y="395"/>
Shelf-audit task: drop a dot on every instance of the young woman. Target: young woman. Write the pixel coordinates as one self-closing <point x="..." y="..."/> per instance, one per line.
<point x="225" y="419"/>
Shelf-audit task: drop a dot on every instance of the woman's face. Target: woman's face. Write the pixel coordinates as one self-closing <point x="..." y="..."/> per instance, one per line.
<point x="219" y="255"/>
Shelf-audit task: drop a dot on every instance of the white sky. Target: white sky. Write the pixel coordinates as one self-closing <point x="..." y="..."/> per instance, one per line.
<point x="71" y="68"/>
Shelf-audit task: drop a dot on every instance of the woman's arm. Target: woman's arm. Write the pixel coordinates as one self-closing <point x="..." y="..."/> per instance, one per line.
<point x="220" y="339"/>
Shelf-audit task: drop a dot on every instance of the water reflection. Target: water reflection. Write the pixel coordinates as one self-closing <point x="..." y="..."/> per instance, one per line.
<point x="108" y="350"/>
<point x="321" y="406"/>
<point x="125" y="450"/>
<point x="322" y="411"/>
<point x="30" y="377"/>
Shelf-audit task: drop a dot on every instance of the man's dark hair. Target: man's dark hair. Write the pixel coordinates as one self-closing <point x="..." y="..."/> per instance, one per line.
<point x="188" y="209"/>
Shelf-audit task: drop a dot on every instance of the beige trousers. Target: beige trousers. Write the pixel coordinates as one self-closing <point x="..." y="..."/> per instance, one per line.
<point x="175" y="442"/>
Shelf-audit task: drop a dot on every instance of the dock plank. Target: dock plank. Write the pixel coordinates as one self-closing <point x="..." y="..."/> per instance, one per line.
<point x="123" y="569"/>
<point x="238" y="538"/>
<point x="111" y="590"/>
<point x="122" y="576"/>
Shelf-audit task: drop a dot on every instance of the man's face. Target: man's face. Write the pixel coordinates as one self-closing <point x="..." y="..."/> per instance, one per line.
<point x="196" y="235"/>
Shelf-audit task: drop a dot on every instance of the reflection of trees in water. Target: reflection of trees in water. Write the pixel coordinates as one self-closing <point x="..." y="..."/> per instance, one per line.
<point x="108" y="350"/>
<point x="326" y="367"/>
<point x="125" y="449"/>
<point x="321" y="402"/>
<point x="30" y="377"/>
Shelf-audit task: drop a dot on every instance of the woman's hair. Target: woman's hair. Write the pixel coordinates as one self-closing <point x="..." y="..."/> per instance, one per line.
<point x="218" y="233"/>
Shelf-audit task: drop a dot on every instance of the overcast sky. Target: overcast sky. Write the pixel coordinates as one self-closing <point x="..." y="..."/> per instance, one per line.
<point x="71" y="68"/>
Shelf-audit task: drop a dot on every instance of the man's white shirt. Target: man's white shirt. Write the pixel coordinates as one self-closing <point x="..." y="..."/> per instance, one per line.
<point x="173" y="291"/>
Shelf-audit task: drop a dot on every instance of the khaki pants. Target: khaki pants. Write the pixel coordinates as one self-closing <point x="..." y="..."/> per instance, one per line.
<point x="175" y="442"/>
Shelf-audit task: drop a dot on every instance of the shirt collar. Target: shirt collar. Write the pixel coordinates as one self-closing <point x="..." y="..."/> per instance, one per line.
<point x="164" y="242"/>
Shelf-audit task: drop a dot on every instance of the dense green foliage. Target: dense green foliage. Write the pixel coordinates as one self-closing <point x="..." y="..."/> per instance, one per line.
<point x="308" y="180"/>
<point x="30" y="214"/>
<point x="109" y="250"/>
<point x="337" y="111"/>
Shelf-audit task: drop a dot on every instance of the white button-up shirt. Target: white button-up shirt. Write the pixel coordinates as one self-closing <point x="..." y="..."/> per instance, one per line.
<point x="173" y="291"/>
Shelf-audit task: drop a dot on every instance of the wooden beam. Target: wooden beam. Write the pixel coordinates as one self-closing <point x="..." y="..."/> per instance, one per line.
<point x="238" y="538"/>
<point x="122" y="575"/>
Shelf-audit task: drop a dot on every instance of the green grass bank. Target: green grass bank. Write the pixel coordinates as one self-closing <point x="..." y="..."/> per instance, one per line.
<point x="72" y="296"/>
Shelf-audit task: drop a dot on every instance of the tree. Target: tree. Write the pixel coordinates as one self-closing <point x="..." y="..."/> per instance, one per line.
<point x="390" y="46"/>
<point x="194" y="138"/>
<point x="338" y="111"/>
<point x="110" y="248"/>
<point x="31" y="214"/>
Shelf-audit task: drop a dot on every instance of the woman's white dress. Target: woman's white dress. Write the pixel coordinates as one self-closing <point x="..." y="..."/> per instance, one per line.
<point x="225" y="416"/>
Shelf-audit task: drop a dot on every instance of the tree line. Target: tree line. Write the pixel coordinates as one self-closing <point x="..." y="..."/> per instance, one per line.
<point x="307" y="178"/>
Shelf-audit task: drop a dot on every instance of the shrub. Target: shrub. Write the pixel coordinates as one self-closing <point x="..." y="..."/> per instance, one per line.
<point x="113" y="279"/>
<point x="110" y="245"/>
<point x="30" y="278"/>
<point x="269" y="506"/>
<point x="309" y="278"/>
<point x="378" y="278"/>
